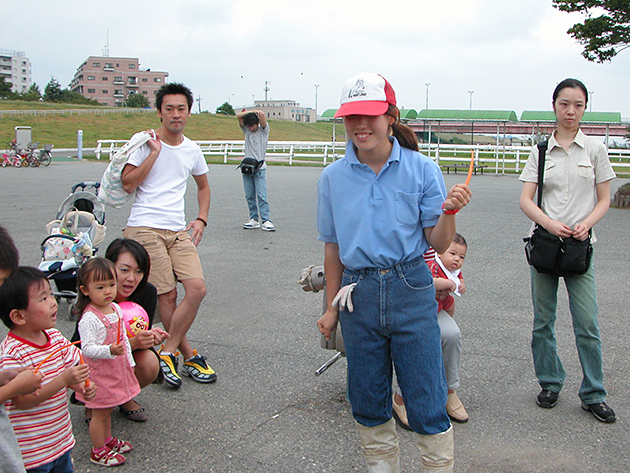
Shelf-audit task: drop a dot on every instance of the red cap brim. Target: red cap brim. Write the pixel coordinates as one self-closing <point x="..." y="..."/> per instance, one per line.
<point x="371" y="108"/>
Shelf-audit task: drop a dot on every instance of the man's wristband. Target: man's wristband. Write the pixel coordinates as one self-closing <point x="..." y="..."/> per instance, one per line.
<point x="205" y="224"/>
<point x="449" y="212"/>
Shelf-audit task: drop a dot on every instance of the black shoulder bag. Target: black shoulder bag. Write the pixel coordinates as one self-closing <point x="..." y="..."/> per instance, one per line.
<point x="550" y="254"/>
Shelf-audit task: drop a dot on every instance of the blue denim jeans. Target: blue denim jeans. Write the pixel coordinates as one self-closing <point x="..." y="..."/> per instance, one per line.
<point x="395" y="322"/>
<point x="256" y="194"/>
<point x="63" y="464"/>
<point x="583" y="307"/>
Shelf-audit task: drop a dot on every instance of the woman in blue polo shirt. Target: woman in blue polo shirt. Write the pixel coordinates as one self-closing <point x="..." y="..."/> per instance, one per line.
<point x="380" y="208"/>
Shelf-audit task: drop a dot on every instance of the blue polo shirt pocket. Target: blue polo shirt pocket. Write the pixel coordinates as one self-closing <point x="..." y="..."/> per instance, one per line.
<point x="407" y="208"/>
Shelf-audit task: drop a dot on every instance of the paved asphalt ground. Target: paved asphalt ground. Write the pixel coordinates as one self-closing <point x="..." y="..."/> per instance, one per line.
<point x="269" y="413"/>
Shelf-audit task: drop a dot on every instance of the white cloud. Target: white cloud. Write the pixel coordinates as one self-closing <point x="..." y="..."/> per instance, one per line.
<point x="510" y="52"/>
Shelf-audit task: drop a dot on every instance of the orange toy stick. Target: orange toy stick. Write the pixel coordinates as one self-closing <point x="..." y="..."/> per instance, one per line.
<point x="87" y="381"/>
<point x="470" y="168"/>
<point x="53" y="353"/>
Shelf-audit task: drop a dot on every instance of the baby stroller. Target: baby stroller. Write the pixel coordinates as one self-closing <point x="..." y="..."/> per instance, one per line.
<point x="313" y="279"/>
<point x="73" y="237"/>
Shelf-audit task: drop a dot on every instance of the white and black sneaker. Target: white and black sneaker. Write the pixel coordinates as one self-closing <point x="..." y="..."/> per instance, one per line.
<point x="601" y="411"/>
<point x="251" y="224"/>
<point x="268" y="226"/>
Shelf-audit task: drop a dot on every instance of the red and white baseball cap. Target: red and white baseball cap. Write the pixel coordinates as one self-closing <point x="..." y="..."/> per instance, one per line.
<point x="366" y="94"/>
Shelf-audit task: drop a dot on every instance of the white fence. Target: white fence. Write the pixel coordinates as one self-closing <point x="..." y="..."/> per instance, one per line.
<point x="79" y="111"/>
<point x="496" y="159"/>
<point x="290" y="152"/>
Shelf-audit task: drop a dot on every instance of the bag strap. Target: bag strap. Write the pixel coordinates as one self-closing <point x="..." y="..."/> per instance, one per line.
<point x="542" y="150"/>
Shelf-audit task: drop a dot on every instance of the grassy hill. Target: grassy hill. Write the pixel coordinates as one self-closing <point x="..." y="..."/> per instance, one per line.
<point x="61" y="130"/>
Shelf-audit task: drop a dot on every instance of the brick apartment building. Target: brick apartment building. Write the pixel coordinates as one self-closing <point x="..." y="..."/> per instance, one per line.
<point x="111" y="80"/>
<point x="15" y="67"/>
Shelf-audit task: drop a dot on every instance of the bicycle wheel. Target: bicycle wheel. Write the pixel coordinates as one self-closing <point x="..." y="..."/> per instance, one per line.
<point x="24" y="162"/>
<point x="32" y="160"/>
<point x="45" y="158"/>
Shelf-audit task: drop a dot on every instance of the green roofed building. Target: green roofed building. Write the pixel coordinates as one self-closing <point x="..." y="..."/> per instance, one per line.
<point x="408" y="114"/>
<point x="467" y="115"/>
<point x="603" y="118"/>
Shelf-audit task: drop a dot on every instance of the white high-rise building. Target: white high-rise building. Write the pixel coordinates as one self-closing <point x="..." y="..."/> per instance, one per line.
<point x="15" y="67"/>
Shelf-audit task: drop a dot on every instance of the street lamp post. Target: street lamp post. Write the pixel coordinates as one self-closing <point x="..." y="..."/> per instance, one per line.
<point x="427" y="96"/>
<point x="472" y="123"/>
<point x="590" y="101"/>
<point x="316" y="88"/>
<point x="230" y="99"/>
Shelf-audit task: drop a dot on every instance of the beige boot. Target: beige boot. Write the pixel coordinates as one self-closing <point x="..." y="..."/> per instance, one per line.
<point x="380" y="447"/>
<point x="437" y="452"/>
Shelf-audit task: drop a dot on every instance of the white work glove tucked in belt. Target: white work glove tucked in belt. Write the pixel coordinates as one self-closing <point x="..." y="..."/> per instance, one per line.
<point x="344" y="297"/>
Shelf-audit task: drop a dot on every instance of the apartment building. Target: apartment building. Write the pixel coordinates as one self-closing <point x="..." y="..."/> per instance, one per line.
<point x="15" y="67"/>
<point x="111" y="80"/>
<point x="286" y="110"/>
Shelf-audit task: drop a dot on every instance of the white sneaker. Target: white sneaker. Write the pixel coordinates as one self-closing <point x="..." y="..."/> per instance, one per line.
<point x="268" y="226"/>
<point x="251" y="224"/>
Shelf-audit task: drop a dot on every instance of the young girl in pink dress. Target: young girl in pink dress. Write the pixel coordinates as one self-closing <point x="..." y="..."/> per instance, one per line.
<point x="107" y="351"/>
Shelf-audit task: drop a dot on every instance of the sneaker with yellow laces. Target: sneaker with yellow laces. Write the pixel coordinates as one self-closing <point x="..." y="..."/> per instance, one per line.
<point x="198" y="369"/>
<point x="168" y="365"/>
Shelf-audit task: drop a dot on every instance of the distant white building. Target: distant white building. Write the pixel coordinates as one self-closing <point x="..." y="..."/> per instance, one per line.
<point x="15" y="67"/>
<point x="286" y="110"/>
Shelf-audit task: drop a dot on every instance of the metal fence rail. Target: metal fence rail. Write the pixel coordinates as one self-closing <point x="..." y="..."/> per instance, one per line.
<point x="79" y="111"/>
<point x="495" y="159"/>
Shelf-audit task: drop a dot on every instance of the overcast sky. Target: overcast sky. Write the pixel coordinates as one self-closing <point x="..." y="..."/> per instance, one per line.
<point x="511" y="53"/>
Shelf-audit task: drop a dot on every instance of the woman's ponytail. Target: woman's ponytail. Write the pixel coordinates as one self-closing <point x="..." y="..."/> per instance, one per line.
<point x="405" y="135"/>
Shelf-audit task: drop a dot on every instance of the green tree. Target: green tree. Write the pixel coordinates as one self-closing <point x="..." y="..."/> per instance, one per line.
<point x="606" y="29"/>
<point x="137" y="101"/>
<point x="226" y="109"/>
<point x="5" y="88"/>
<point x="32" y="94"/>
<point x="53" y="92"/>
<point x="68" y="96"/>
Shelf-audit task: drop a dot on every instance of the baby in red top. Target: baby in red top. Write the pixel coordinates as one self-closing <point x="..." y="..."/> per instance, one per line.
<point x="447" y="275"/>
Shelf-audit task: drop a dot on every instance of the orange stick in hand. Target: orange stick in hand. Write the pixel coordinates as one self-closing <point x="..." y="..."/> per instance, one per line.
<point x="54" y="352"/>
<point x="87" y="381"/>
<point x="470" y="168"/>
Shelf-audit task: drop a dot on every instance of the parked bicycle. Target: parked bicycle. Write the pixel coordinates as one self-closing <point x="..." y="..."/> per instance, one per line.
<point x="37" y="157"/>
<point x="15" y="157"/>
<point x="11" y="160"/>
<point x="45" y="155"/>
<point x="31" y="156"/>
